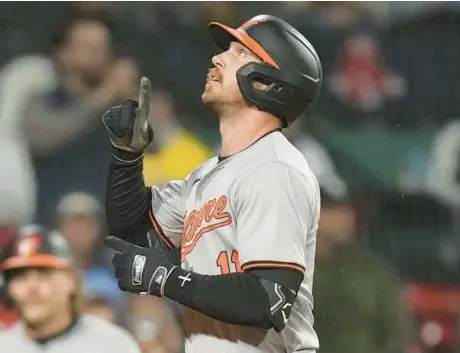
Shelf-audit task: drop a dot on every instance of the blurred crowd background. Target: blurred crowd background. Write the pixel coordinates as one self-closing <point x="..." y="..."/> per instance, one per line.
<point x="383" y="140"/>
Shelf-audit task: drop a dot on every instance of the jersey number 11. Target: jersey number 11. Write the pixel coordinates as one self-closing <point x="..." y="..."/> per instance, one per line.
<point x="228" y="265"/>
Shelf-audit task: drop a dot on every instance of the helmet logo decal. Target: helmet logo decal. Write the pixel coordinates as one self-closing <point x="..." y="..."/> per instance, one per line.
<point x="253" y="22"/>
<point x="29" y="245"/>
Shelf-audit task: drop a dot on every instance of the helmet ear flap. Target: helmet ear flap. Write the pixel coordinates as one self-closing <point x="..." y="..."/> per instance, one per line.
<point x="262" y="77"/>
<point x="269" y="90"/>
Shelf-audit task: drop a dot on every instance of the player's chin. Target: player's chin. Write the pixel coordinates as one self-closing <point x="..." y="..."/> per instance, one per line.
<point x="208" y="97"/>
<point x="211" y="93"/>
<point x="33" y="316"/>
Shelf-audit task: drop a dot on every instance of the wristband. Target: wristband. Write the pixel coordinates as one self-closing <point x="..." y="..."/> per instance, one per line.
<point x="159" y="278"/>
<point x="180" y="284"/>
<point x="126" y="156"/>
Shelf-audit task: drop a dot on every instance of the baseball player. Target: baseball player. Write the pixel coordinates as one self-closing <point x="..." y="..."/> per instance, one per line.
<point x="45" y="290"/>
<point x="244" y="222"/>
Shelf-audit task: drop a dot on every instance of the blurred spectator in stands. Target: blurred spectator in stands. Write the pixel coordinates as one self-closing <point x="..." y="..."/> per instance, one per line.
<point x="443" y="178"/>
<point x="359" y="306"/>
<point x="63" y="127"/>
<point x="175" y="152"/>
<point x="220" y="11"/>
<point x="91" y="6"/>
<point x="339" y="15"/>
<point x="155" y="325"/>
<point x="20" y="80"/>
<point x="8" y="316"/>
<point x="79" y="220"/>
<point x="100" y="307"/>
<point x="361" y="78"/>
<point x="102" y="296"/>
<point x="443" y="181"/>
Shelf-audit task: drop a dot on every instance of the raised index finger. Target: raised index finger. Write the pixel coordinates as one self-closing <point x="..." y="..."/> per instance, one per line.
<point x="115" y="243"/>
<point x="145" y="93"/>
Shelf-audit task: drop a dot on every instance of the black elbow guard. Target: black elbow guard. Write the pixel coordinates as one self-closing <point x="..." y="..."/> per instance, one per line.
<point x="280" y="300"/>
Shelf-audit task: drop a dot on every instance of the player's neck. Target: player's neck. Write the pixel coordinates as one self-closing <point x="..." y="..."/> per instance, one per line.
<point x="240" y="130"/>
<point x="51" y="327"/>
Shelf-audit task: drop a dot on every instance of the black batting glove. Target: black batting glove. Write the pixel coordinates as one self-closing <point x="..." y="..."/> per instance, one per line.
<point x="128" y="123"/>
<point x="142" y="270"/>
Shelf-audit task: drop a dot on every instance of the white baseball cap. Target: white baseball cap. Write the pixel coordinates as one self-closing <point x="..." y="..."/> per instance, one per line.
<point x="79" y="203"/>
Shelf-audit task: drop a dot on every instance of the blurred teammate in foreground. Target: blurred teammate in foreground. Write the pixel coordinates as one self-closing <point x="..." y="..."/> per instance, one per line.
<point x="245" y="222"/>
<point x="45" y="290"/>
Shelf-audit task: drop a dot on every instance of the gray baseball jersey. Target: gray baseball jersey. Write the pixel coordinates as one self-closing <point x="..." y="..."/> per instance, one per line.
<point x="258" y="208"/>
<point x="90" y="335"/>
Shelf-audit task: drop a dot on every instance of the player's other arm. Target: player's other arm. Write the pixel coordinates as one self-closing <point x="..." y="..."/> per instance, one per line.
<point x="129" y="203"/>
<point x="259" y="298"/>
<point x="274" y="209"/>
<point x="271" y="243"/>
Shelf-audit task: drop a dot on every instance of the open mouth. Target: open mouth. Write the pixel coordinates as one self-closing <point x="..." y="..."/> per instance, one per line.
<point x="212" y="77"/>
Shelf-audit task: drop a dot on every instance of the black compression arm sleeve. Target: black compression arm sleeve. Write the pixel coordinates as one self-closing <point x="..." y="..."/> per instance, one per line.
<point x="128" y="200"/>
<point x="237" y="298"/>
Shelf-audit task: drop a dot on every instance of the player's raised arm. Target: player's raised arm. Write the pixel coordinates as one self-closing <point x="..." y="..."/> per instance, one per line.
<point x="131" y="208"/>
